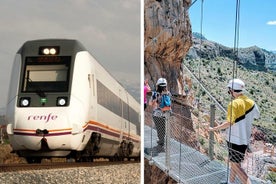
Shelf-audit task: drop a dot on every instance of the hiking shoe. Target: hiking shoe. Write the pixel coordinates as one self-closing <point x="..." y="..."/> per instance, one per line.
<point x="159" y="148"/>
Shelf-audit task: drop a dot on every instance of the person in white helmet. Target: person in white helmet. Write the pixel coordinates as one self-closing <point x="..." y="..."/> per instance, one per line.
<point x="241" y="113"/>
<point x="160" y="101"/>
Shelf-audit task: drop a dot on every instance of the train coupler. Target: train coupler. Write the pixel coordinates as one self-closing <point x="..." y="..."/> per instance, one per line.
<point x="44" y="144"/>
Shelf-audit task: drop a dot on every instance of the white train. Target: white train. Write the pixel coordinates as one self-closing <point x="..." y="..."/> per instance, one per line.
<point x="63" y="103"/>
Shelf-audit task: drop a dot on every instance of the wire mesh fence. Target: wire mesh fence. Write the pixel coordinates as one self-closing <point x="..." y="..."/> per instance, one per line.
<point x="184" y="152"/>
<point x="180" y="144"/>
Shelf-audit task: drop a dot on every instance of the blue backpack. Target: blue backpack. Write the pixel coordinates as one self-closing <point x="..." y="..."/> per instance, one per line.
<point x="165" y="101"/>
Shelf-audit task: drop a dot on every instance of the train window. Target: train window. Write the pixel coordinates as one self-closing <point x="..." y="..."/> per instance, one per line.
<point x="46" y="75"/>
<point x="113" y="103"/>
<point x="108" y="99"/>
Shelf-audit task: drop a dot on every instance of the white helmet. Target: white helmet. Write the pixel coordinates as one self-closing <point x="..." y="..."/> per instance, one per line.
<point x="161" y="82"/>
<point x="236" y="84"/>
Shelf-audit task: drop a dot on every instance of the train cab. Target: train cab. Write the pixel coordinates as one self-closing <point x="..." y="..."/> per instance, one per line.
<point x="62" y="102"/>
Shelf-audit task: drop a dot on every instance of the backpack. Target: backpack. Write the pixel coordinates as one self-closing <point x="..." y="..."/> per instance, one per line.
<point x="165" y="101"/>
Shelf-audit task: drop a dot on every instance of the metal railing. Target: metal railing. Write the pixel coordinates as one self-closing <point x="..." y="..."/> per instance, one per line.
<point x="181" y="155"/>
<point x="192" y="154"/>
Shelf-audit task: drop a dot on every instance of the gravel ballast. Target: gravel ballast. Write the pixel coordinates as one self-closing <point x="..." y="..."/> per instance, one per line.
<point x="121" y="174"/>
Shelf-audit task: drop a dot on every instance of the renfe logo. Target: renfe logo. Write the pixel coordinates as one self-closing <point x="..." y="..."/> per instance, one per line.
<point x="47" y="118"/>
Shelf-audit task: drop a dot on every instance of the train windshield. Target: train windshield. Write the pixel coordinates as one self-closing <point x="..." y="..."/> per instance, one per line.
<point x="46" y="74"/>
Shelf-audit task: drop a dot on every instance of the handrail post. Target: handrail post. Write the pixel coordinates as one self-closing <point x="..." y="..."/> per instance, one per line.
<point x="168" y="137"/>
<point x="211" y="134"/>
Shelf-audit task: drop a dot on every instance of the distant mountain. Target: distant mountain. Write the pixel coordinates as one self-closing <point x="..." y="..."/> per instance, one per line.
<point x="253" y="58"/>
<point x="2" y="111"/>
<point x="198" y="36"/>
<point x="2" y="116"/>
<point x="212" y="64"/>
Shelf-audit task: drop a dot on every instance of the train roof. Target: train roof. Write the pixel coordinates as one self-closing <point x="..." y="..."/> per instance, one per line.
<point x="68" y="45"/>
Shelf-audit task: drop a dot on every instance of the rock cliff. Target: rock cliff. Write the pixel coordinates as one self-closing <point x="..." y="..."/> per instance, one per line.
<point x="253" y="58"/>
<point x="167" y="39"/>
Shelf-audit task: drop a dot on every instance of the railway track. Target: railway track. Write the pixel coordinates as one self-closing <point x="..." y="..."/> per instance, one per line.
<point x="57" y="165"/>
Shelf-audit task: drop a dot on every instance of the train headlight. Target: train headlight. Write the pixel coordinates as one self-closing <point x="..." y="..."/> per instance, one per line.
<point x="53" y="51"/>
<point x="49" y="50"/>
<point x="62" y="101"/>
<point x="46" y="51"/>
<point x="25" y="101"/>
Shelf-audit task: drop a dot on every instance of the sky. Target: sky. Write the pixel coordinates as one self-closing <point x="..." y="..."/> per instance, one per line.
<point x="257" y="22"/>
<point x="110" y="30"/>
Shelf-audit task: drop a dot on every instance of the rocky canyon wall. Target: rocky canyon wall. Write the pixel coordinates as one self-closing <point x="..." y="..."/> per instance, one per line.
<point x="167" y="39"/>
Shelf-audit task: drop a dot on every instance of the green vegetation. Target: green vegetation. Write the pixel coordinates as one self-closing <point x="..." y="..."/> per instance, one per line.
<point x="271" y="177"/>
<point x="260" y="86"/>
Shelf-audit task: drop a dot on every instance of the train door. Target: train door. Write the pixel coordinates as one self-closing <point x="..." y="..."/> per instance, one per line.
<point x="128" y="117"/>
<point x="125" y="116"/>
<point x="93" y="99"/>
<point x="125" y="126"/>
<point x="122" y="120"/>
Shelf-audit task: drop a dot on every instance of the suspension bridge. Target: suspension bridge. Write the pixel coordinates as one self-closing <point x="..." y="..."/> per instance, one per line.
<point x="192" y="154"/>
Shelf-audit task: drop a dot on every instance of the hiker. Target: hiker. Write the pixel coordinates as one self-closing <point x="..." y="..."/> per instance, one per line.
<point x="161" y="103"/>
<point x="241" y="113"/>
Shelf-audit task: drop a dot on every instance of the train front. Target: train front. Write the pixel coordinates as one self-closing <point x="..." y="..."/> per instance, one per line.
<point x="38" y="110"/>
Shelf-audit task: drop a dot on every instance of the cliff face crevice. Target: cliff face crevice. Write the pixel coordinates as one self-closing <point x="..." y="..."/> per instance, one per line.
<point x="167" y="39"/>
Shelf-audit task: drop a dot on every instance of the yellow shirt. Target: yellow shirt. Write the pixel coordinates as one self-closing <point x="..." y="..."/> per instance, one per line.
<point x="240" y="106"/>
<point x="241" y="112"/>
